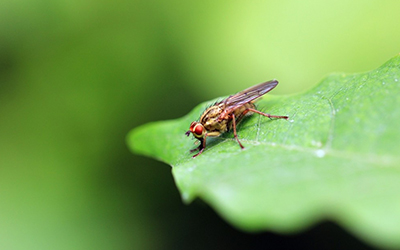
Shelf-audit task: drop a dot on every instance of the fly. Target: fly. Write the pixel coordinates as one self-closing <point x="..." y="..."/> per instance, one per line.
<point x="224" y="116"/>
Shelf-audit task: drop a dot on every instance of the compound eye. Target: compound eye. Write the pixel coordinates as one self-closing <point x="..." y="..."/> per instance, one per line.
<point x="192" y="125"/>
<point x="198" y="129"/>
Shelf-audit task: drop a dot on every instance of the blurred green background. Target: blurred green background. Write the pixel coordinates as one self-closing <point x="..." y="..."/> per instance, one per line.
<point x="76" y="76"/>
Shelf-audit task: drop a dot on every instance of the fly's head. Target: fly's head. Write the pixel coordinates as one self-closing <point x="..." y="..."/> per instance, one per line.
<point x="197" y="129"/>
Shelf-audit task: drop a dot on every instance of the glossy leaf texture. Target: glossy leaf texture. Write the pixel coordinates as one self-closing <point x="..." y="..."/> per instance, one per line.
<point x="337" y="158"/>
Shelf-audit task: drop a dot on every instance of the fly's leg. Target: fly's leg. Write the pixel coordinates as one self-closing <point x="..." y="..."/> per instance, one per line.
<point x="201" y="147"/>
<point x="234" y="130"/>
<point x="201" y="151"/>
<point x="196" y="149"/>
<point x="203" y="142"/>
<point x="264" y="114"/>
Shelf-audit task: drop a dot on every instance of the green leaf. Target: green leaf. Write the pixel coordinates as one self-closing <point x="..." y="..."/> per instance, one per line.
<point x="336" y="158"/>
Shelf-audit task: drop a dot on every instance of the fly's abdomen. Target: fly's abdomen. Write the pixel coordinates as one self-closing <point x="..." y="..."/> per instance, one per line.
<point x="241" y="112"/>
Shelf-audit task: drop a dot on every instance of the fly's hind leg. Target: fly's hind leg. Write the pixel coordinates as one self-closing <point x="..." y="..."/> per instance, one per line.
<point x="265" y="114"/>
<point x="254" y="111"/>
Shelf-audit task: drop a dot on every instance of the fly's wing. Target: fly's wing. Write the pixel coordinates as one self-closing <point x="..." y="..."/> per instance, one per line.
<point x="248" y="95"/>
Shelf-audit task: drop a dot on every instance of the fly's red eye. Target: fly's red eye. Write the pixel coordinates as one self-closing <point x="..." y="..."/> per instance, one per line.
<point x="198" y="130"/>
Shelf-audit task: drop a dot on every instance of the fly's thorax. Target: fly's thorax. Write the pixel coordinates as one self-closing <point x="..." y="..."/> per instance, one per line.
<point x="211" y="113"/>
<point x="210" y="120"/>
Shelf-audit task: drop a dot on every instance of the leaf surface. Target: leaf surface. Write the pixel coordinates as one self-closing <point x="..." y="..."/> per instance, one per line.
<point x="336" y="158"/>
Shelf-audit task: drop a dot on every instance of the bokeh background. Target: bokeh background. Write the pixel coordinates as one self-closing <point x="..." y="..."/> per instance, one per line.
<point x="76" y="76"/>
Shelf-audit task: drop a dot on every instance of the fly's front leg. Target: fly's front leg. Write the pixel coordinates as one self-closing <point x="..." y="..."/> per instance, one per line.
<point x="264" y="114"/>
<point x="201" y="151"/>
<point x="201" y="147"/>
<point x="234" y="130"/>
<point x="195" y="149"/>
<point x="203" y="142"/>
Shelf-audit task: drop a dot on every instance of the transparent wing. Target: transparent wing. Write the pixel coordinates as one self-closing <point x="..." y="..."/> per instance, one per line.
<point x="248" y="95"/>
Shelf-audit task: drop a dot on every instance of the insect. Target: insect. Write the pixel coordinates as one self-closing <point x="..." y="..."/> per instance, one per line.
<point x="224" y="116"/>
